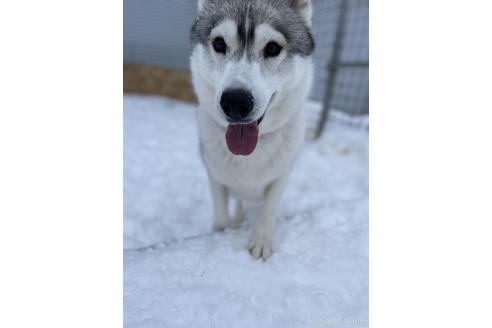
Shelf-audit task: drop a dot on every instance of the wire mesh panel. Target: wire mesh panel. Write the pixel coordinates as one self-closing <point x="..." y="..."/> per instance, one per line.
<point x="325" y="15"/>
<point x="342" y="57"/>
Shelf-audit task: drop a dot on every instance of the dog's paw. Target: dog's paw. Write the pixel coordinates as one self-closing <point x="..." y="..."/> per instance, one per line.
<point x="220" y="225"/>
<point x="235" y="223"/>
<point x="260" y="245"/>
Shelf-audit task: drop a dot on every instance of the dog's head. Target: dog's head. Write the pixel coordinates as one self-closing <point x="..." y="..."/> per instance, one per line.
<point x="249" y="54"/>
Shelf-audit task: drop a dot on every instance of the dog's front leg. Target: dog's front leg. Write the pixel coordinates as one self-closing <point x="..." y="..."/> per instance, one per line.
<point x="261" y="240"/>
<point x="220" y="200"/>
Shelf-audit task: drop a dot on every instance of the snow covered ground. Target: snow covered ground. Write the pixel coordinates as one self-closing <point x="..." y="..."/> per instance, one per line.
<point x="191" y="277"/>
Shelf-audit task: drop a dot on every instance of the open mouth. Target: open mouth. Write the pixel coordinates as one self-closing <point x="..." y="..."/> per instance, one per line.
<point x="242" y="138"/>
<point x="261" y="118"/>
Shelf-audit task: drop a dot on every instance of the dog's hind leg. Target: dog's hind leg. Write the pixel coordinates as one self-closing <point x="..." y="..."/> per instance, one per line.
<point x="261" y="240"/>
<point x="238" y="215"/>
<point x="220" y="198"/>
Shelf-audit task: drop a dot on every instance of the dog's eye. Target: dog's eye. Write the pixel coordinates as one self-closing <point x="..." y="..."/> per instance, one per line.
<point x="272" y="49"/>
<point x="219" y="45"/>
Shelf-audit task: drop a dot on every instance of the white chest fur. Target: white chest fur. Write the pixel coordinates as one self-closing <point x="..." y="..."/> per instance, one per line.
<point x="248" y="176"/>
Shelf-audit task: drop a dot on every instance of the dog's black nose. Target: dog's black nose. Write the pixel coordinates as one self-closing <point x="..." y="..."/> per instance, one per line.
<point x="237" y="104"/>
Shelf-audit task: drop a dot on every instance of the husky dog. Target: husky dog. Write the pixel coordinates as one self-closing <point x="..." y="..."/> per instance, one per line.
<point x="252" y="70"/>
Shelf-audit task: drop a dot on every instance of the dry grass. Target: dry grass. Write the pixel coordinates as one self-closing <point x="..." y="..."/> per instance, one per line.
<point x="152" y="80"/>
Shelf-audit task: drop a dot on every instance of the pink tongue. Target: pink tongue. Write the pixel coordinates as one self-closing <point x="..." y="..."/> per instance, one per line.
<point x="242" y="138"/>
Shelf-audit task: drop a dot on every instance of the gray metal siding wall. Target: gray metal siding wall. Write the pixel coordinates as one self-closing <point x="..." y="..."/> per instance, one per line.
<point x="156" y="32"/>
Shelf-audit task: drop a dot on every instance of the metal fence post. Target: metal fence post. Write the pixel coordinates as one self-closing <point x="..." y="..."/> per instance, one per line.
<point x="332" y="67"/>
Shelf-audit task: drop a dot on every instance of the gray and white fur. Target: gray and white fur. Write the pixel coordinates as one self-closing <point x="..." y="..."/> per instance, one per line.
<point x="277" y="87"/>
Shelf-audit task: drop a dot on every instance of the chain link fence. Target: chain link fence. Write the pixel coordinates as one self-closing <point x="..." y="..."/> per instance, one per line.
<point x="342" y="57"/>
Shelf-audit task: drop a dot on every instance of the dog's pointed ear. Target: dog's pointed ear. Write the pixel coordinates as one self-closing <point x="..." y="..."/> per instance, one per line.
<point x="304" y="8"/>
<point x="203" y="3"/>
